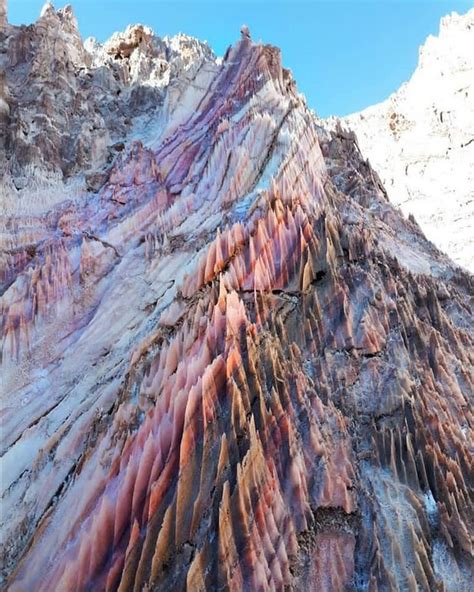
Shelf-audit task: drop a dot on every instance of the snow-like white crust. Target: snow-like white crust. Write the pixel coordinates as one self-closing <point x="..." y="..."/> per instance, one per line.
<point x="421" y="139"/>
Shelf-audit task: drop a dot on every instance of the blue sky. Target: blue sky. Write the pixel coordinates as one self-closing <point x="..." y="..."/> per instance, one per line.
<point x="344" y="54"/>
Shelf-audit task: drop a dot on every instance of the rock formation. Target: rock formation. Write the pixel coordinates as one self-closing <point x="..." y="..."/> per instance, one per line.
<point x="421" y="139"/>
<point x="72" y="105"/>
<point x="231" y="364"/>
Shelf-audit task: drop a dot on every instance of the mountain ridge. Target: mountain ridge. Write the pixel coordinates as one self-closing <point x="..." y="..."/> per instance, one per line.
<point x="420" y="139"/>
<point x="230" y="363"/>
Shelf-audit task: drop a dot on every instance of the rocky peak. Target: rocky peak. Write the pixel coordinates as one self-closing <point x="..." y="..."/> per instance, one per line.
<point x="66" y="103"/>
<point x="3" y="13"/>
<point x="448" y="49"/>
<point x="145" y="58"/>
<point x="122" y="45"/>
<point x="421" y="139"/>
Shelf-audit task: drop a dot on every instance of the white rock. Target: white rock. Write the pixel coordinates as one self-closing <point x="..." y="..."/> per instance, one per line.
<point x="421" y="139"/>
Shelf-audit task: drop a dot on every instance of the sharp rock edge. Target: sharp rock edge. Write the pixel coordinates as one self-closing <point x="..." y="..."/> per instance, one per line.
<point x="228" y="363"/>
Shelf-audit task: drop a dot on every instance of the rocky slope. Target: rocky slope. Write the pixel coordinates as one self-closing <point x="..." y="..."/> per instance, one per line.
<point x="69" y="107"/>
<point x="230" y="364"/>
<point x="421" y="139"/>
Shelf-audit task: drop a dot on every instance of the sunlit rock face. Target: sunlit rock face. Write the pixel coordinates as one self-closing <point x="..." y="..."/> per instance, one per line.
<point x="234" y="365"/>
<point x="71" y="105"/>
<point x="421" y="139"/>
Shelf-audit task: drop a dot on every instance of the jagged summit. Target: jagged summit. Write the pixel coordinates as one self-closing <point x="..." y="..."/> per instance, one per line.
<point x="49" y="10"/>
<point x="245" y="32"/>
<point x="420" y="139"/>
<point x="70" y="103"/>
<point x="231" y="363"/>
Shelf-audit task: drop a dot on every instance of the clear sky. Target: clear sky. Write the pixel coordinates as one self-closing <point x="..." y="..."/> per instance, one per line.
<point x="344" y="54"/>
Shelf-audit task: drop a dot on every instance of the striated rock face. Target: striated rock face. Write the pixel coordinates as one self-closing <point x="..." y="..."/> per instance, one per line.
<point x="421" y="139"/>
<point x="234" y="365"/>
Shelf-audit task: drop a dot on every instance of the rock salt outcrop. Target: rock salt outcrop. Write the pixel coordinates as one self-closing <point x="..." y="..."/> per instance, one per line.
<point x="232" y="364"/>
<point x="421" y="139"/>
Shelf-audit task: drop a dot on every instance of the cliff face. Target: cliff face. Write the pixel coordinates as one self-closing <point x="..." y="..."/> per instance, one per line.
<point x="234" y="365"/>
<point x="421" y="139"/>
<point x="70" y="106"/>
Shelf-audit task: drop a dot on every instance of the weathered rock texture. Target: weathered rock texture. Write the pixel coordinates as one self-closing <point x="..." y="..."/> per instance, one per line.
<point x="70" y="106"/>
<point x="234" y="366"/>
<point x="421" y="139"/>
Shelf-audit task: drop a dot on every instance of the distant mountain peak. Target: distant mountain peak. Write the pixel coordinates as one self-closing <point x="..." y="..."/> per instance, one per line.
<point x="421" y="139"/>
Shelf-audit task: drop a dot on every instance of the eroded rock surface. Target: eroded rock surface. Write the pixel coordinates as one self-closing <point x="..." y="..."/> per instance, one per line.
<point x="234" y="365"/>
<point x="421" y="139"/>
<point x="70" y="106"/>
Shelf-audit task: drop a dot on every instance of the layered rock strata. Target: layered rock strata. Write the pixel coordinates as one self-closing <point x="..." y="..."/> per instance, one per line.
<point x="234" y="366"/>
